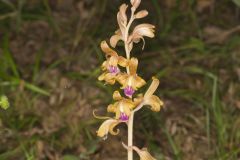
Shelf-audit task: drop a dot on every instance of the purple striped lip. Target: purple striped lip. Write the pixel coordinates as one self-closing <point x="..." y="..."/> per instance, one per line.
<point x="129" y="91"/>
<point x="113" y="69"/>
<point x="123" y="117"/>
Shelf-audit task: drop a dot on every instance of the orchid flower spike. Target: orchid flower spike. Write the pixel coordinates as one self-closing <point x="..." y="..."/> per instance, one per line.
<point x="123" y="70"/>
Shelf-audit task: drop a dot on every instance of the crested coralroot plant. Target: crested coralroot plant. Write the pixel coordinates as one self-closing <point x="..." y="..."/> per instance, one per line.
<point x="123" y="70"/>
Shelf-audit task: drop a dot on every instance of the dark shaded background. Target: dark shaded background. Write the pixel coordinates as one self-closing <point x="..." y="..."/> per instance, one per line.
<point x="49" y="63"/>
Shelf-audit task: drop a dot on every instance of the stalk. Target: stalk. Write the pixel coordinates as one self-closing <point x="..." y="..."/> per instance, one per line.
<point x="131" y="118"/>
<point x="130" y="136"/>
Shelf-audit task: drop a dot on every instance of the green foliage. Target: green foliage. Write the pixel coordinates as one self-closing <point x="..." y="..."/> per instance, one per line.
<point x="70" y="157"/>
<point x="237" y="2"/>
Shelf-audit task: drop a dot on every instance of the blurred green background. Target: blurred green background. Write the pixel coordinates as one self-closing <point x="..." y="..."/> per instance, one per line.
<point x="49" y="63"/>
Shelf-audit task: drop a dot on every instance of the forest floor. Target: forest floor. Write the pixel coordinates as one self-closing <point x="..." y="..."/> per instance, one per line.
<point x="49" y="63"/>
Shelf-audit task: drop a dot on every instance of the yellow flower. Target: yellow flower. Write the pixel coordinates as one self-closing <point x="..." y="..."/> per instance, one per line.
<point x="108" y="127"/>
<point x="122" y="108"/>
<point x="110" y="66"/>
<point x="131" y="82"/>
<point x="153" y="100"/>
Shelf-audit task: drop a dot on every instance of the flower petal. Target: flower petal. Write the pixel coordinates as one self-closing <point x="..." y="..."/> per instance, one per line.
<point x="104" y="66"/>
<point x="153" y="87"/>
<point x="138" y="82"/>
<point x="143" y="154"/>
<point x="122" y="18"/>
<point x="107" y="50"/>
<point x="129" y="103"/>
<point x="133" y="64"/>
<point x="107" y="127"/>
<point x="122" y="61"/>
<point x="122" y="78"/>
<point x="99" y="117"/>
<point x="142" y="30"/>
<point x="102" y="76"/>
<point x="108" y="77"/>
<point x="154" y="102"/>
<point x="111" y="129"/>
<point x="124" y="106"/>
<point x="114" y="40"/>
<point x="141" y="14"/>
<point x="112" y="108"/>
<point x="123" y="15"/>
<point x="117" y="96"/>
<point x="135" y="3"/>
<point x="113" y="61"/>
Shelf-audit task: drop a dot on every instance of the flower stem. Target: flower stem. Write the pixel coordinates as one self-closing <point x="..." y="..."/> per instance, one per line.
<point x="131" y="117"/>
<point x="130" y="136"/>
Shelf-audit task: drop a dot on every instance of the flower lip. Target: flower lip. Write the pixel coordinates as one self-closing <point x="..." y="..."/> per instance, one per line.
<point x="123" y="117"/>
<point x="113" y="69"/>
<point x="129" y="91"/>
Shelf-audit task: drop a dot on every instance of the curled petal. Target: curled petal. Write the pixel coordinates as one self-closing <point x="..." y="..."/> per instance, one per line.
<point x="99" y="117"/>
<point x="143" y="154"/>
<point x="107" y="50"/>
<point x="154" y="102"/>
<point x="141" y="14"/>
<point x="144" y="30"/>
<point x="108" y="127"/>
<point x="114" y="40"/>
<point x="140" y="31"/>
<point x="111" y="129"/>
<point x="153" y="87"/>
